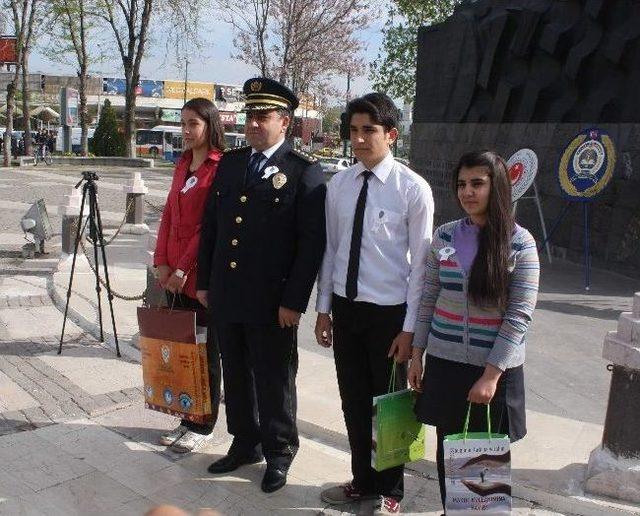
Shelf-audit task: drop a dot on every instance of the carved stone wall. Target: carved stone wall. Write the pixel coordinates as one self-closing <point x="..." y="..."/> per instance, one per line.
<point x="505" y="75"/>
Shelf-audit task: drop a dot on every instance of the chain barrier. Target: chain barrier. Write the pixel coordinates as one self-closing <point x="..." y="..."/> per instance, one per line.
<point x="74" y="230"/>
<point x="154" y="207"/>
<point x="124" y="220"/>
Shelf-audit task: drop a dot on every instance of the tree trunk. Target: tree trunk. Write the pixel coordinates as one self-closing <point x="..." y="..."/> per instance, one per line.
<point x="11" y="104"/>
<point x="84" y="113"/>
<point x="26" y="104"/>
<point x="130" y="120"/>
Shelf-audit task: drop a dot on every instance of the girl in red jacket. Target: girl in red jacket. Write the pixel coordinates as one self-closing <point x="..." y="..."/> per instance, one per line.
<point x="178" y="239"/>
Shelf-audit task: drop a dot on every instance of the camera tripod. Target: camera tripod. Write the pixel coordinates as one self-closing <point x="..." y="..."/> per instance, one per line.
<point x="95" y="233"/>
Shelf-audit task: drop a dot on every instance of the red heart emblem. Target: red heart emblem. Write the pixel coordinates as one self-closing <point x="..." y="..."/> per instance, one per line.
<point x="515" y="172"/>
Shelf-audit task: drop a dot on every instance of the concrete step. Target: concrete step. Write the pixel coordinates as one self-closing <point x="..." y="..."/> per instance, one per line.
<point x="629" y="328"/>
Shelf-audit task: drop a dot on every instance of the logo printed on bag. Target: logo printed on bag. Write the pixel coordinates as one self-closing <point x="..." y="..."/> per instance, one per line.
<point x="185" y="401"/>
<point x="168" y="396"/>
<point x="148" y="389"/>
<point x="166" y="354"/>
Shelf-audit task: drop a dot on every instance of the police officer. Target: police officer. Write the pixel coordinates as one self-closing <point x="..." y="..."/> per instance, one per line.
<point x="262" y="241"/>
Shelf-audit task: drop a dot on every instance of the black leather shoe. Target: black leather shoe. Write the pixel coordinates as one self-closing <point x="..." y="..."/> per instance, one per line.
<point x="274" y="479"/>
<point x="231" y="462"/>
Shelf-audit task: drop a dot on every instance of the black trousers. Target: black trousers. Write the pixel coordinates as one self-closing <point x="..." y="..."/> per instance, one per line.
<point x="260" y="363"/>
<point x="362" y="336"/>
<point x="183" y="302"/>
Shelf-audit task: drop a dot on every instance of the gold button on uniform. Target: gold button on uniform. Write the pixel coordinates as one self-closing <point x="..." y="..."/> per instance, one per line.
<point x="277" y="199"/>
<point x="238" y="220"/>
<point x="234" y="242"/>
<point x="243" y="198"/>
<point x="233" y="265"/>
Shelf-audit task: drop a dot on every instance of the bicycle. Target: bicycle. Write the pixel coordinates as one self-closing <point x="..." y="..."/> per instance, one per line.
<point x="42" y="153"/>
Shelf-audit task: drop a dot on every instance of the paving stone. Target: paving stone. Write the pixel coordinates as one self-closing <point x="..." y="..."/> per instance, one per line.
<point x="70" y="408"/>
<point x="18" y="418"/>
<point x="4" y="302"/>
<point x="86" y="403"/>
<point x="53" y="412"/>
<point x="13" y="302"/>
<point x="64" y="383"/>
<point x="118" y="397"/>
<point x="37" y="417"/>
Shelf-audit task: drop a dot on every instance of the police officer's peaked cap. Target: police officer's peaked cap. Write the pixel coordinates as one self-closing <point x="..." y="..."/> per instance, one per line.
<point x="263" y="94"/>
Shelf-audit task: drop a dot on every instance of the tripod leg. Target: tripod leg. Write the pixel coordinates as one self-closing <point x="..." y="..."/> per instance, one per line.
<point x="106" y="275"/>
<point x="96" y="242"/>
<point x="73" y="266"/>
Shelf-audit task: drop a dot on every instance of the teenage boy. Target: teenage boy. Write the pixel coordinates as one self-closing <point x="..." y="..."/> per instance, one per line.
<point x="379" y="219"/>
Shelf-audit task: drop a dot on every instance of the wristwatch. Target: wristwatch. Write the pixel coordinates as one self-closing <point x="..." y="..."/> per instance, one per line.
<point x="179" y="273"/>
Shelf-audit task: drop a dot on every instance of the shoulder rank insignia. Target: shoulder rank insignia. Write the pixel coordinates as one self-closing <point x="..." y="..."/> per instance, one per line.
<point x="307" y="157"/>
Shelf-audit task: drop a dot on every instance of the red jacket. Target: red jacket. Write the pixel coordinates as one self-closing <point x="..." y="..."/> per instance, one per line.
<point x="179" y="233"/>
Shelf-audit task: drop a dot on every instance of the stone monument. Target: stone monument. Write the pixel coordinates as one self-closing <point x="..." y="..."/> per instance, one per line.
<point x="509" y="74"/>
<point x="614" y="467"/>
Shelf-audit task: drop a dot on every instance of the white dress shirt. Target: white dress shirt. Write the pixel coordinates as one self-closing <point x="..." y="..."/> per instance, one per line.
<point x="396" y="236"/>
<point x="267" y="153"/>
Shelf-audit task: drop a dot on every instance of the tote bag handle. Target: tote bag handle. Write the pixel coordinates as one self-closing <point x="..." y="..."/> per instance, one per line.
<point x="466" y="421"/>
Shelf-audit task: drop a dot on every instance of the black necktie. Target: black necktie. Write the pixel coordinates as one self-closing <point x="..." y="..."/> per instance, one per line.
<point x="356" y="239"/>
<point x="254" y="167"/>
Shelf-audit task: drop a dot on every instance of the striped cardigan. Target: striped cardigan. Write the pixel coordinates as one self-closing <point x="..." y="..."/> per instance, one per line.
<point x="452" y="327"/>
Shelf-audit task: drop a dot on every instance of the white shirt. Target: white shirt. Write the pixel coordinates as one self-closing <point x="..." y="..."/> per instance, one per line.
<point x="396" y="237"/>
<point x="267" y="153"/>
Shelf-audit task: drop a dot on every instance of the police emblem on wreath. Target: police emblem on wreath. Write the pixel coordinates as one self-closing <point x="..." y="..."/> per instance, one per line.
<point x="279" y="180"/>
<point x="587" y="165"/>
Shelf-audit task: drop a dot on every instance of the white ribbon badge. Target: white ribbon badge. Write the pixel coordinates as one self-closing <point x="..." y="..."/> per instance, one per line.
<point x="269" y="171"/>
<point x="445" y="252"/>
<point x="191" y="182"/>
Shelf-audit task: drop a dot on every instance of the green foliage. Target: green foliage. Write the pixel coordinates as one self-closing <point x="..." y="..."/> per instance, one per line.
<point x="107" y="140"/>
<point x="331" y="120"/>
<point x="394" y="70"/>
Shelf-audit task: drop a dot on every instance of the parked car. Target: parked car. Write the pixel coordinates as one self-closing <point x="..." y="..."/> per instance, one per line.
<point x="334" y="165"/>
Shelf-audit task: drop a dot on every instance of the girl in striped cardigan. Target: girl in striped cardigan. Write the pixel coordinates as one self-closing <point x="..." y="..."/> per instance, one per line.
<point x="480" y="292"/>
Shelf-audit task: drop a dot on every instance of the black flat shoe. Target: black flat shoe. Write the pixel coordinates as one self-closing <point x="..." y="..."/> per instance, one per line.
<point x="232" y="462"/>
<point x="274" y="479"/>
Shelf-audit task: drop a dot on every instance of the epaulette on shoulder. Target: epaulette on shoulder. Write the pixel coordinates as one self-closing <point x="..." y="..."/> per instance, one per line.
<point x="307" y="157"/>
<point x="230" y="150"/>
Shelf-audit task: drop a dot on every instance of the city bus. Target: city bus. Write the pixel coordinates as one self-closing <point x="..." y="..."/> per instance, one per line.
<point x="163" y="141"/>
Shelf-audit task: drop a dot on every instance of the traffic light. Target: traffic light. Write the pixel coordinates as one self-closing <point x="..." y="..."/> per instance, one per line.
<point x="42" y="82"/>
<point x="344" y="127"/>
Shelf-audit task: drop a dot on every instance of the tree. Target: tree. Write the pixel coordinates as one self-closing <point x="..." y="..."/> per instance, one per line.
<point x="299" y="43"/>
<point x="107" y="139"/>
<point x="129" y="21"/>
<point x="331" y="120"/>
<point x="71" y="27"/>
<point x="394" y="69"/>
<point x="23" y="13"/>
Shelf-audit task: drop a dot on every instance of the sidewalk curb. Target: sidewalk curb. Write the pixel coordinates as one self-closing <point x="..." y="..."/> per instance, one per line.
<point x="572" y="504"/>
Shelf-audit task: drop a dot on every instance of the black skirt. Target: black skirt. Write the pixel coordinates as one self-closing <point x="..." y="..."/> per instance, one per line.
<point x="443" y="401"/>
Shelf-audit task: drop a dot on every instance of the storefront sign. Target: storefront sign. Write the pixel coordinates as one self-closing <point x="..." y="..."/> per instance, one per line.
<point x="175" y="90"/>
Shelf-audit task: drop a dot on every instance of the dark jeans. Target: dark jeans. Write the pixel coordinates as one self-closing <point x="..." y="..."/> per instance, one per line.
<point x="362" y="336"/>
<point x="183" y="302"/>
<point x="260" y="363"/>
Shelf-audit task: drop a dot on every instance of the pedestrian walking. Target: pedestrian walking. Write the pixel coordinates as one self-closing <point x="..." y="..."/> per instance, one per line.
<point x="379" y="222"/>
<point x="263" y="236"/>
<point x="176" y="253"/>
<point x="479" y="295"/>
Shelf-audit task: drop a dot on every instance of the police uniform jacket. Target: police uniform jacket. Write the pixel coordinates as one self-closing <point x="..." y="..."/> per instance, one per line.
<point x="262" y="242"/>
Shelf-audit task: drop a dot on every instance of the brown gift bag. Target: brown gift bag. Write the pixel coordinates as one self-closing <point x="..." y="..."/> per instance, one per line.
<point x="174" y="364"/>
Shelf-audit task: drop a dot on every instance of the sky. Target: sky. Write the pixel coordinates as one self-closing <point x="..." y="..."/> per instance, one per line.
<point x="216" y="64"/>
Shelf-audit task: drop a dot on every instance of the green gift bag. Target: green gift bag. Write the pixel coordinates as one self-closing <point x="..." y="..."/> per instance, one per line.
<point x="477" y="472"/>
<point x="398" y="437"/>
